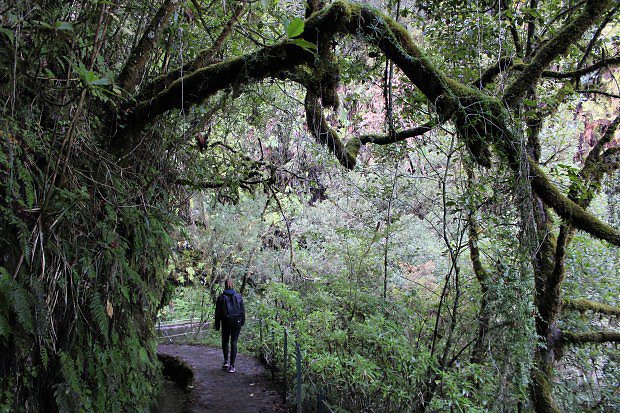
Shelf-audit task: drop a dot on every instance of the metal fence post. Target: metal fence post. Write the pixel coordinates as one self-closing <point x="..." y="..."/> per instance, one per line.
<point x="319" y="401"/>
<point x="298" y="353"/>
<point x="285" y="362"/>
<point x="273" y="356"/>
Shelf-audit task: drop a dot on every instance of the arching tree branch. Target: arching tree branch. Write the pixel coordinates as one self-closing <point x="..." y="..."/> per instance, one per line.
<point x="480" y="119"/>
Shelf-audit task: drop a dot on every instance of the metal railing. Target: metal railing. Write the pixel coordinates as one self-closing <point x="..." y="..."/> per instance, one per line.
<point x="268" y="353"/>
<point x="179" y="328"/>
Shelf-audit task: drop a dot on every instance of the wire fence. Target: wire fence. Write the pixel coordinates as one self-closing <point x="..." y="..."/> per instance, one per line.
<point x="306" y="397"/>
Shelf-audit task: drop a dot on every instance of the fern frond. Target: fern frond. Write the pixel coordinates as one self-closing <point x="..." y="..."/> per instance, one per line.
<point x="97" y="311"/>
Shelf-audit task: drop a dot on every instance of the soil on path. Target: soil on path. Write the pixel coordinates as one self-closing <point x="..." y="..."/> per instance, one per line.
<point x="247" y="390"/>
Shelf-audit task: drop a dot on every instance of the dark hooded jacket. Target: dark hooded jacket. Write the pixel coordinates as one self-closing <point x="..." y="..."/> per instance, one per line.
<point x="220" y="309"/>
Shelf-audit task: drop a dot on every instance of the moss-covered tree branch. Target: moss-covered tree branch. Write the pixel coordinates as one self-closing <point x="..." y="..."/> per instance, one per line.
<point x="397" y="136"/>
<point x="587" y="305"/>
<point x="553" y="48"/>
<point x="606" y="63"/>
<point x="324" y="133"/>
<point x="593" y="337"/>
<point x="569" y="210"/>
<point x="195" y="87"/>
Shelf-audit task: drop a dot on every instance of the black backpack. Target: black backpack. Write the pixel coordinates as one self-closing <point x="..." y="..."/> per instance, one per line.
<point x="232" y="306"/>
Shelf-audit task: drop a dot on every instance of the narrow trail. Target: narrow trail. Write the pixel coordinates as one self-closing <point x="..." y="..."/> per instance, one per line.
<point x="248" y="390"/>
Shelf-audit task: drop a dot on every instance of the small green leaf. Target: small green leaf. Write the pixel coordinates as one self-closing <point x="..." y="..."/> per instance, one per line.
<point x="311" y="47"/>
<point x="144" y="356"/>
<point x="294" y="28"/>
<point x="68" y="26"/>
<point x="9" y="34"/>
<point x="5" y="327"/>
<point x="103" y="81"/>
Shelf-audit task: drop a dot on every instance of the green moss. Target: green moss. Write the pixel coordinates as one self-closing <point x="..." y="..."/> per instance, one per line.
<point x="540" y="388"/>
<point x="352" y="147"/>
<point x="553" y="48"/>
<point x="568" y="337"/>
<point x="569" y="210"/>
<point x="587" y="305"/>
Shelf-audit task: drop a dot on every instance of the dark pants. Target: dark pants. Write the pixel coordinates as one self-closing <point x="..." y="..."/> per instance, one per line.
<point x="230" y="331"/>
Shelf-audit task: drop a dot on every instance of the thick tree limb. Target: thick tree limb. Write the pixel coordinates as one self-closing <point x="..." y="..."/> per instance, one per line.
<point x="325" y="134"/>
<point x="203" y="59"/>
<point x="197" y="86"/>
<point x="569" y="210"/>
<point x="397" y="136"/>
<point x="555" y="47"/>
<point x="587" y="305"/>
<point x="131" y="73"/>
<point x="568" y="337"/>
<point x="583" y="71"/>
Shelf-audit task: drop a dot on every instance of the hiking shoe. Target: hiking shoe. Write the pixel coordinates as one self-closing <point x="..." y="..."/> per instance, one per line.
<point x="231" y="369"/>
<point x="225" y="366"/>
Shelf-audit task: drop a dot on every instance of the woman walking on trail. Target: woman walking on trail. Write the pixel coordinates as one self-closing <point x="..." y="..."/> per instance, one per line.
<point x="230" y="314"/>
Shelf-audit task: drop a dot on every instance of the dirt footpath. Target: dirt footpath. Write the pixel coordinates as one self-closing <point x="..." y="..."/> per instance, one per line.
<point x="216" y="390"/>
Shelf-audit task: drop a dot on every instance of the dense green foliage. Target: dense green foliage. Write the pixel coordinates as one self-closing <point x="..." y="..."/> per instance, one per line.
<point x="77" y="266"/>
<point x="84" y="238"/>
